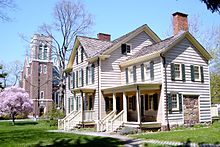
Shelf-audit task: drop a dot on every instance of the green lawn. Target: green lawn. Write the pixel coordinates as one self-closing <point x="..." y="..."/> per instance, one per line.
<point x="31" y="133"/>
<point x="200" y="135"/>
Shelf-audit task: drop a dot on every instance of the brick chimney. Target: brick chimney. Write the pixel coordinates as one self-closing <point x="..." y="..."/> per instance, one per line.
<point x="104" y="37"/>
<point x="180" y="22"/>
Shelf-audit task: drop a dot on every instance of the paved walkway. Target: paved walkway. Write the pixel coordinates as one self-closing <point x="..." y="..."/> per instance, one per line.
<point x="130" y="142"/>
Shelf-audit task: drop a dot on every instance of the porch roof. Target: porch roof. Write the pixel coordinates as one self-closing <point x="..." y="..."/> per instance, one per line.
<point x="128" y="87"/>
<point x="83" y="89"/>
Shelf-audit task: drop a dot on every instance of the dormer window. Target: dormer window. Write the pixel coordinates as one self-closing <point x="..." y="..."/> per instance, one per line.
<point x="125" y="49"/>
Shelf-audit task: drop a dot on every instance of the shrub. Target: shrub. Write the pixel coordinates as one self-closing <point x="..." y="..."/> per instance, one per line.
<point x="128" y="130"/>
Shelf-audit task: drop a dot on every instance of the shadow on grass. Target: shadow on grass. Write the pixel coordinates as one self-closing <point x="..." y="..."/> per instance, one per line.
<point x="23" y="123"/>
<point x="81" y="141"/>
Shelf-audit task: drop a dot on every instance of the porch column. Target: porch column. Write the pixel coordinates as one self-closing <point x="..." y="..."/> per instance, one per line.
<point x="82" y="108"/>
<point x="125" y="107"/>
<point x="138" y="104"/>
<point x="114" y="101"/>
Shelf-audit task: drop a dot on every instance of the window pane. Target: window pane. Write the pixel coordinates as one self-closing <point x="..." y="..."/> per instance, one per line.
<point x="147" y="71"/>
<point x="131" y="76"/>
<point x="177" y="70"/>
<point x="128" y="48"/>
<point x="174" y="100"/>
<point x="196" y="72"/>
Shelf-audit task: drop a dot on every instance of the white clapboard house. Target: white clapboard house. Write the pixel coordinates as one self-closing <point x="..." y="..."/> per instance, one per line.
<point x="138" y="80"/>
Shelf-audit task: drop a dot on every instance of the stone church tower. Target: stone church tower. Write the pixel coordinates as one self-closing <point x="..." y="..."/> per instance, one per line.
<point x="36" y="76"/>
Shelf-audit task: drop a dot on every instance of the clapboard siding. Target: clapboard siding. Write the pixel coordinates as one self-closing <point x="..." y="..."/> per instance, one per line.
<point x="111" y="72"/>
<point x="185" y="53"/>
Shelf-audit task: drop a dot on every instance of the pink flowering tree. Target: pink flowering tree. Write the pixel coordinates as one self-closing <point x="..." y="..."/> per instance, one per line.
<point x="14" y="101"/>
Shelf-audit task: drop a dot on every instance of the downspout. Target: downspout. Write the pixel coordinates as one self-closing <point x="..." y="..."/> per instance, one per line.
<point x="165" y="69"/>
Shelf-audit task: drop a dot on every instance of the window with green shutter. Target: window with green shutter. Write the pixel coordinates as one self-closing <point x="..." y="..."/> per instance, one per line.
<point x="77" y="82"/>
<point x="180" y="102"/>
<point x="82" y="51"/>
<point x="93" y="73"/>
<point x="172" y="71"/>
<point x="183" y="73"/>
<point x="169" y="103"/>
<point x="202" y="73"/>
<point x="82" y="79"/>
<point x="87" y="75"/>
<point x="192" y="73"/>
<point x="142" y="72"/>
<point x="126" y="75"/>
<point x="73" y="74"/>
<point x="152" y="70"/>
<point x="134" y="74"/>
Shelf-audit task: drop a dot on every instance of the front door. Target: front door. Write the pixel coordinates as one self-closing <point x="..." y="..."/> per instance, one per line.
<point x="191" y="109"/>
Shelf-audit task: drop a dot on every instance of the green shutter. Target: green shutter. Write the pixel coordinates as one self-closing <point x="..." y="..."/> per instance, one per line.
<point x="77" y="103"/>
<point x="172" y="71"/>
<point x="134" y="75"/>
<point x="146" y="102"/>
<point x="72" y="103"/>
<point x="152" y="70"/>
<point x="73" y="80"/>
<point x="123" y="49"/>
<point x="82" y="77"/>
<point x="93" y="73"/>
<point x="169" y="103"/>
<point x="90" y="103"/>
<point x="142" y="72"/>
<point x="180" y="102"/>
<point x="87" y="74"/>
<point x="68" y="81"/>
<point x="77" y="74"/>
<point x="126" y="75"/>
<point x="155" y="101"/>
<point x="183" y="73"/>
<point x="202" y="73"/>
<point x="82" y="50"/>
<point x="192" y="73"/>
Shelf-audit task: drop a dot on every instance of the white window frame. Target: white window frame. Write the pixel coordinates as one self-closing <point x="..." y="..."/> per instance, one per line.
<point x="80" y="78"/>
<point x="89" y="75"/>
<point x="147" y="71"/>
<point x="177" y="101"/>
<point x="45" y="69"/>
<point x="42" y="95"/>
<point x="40" y="52"/>
<point x="180" y="71"/>
<point x="199" y="72"/>
<point x="79" y="55"/>
<point x="130" y="76"/>
<point x="128" y="44"/>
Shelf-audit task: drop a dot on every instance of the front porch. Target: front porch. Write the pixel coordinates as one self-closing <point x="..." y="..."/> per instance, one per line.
<point x="133" y="105"/>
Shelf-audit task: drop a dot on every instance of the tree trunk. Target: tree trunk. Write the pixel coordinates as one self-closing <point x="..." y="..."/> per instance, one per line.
<point x="13" y="119"/>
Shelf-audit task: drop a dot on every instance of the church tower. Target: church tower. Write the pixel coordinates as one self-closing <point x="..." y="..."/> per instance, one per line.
<point x="37" y="74"/>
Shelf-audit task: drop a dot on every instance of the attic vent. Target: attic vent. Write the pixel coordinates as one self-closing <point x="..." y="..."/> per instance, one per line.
<point x="125" y="49"/>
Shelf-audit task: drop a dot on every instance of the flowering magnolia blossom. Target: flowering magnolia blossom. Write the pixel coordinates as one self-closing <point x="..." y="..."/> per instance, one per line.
<point x="14" y="100"/>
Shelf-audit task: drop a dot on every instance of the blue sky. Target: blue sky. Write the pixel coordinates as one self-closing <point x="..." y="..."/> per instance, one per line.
<point x="115" y="17"/>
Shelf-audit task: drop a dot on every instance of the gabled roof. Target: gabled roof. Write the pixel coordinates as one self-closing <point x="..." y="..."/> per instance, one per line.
<point x="94" y="47"/>
<point x="162" y="47"/>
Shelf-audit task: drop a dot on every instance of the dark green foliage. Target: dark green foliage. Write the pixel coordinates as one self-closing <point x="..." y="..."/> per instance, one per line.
<point x="212" y="5"/>
<point x="54" y="115"/>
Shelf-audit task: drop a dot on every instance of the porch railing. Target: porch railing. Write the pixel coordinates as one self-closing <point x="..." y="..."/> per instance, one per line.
<point x="73" y="121"/>
<point x="116" y="122"/>
<point x="89" y="115"/>
<point x="104" y="122"/>
<point x="61" y="121"/>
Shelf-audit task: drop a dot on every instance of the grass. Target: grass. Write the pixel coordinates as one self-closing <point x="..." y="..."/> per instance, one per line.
<point x="34" y="134"/>
<point x="201" y="135"/>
